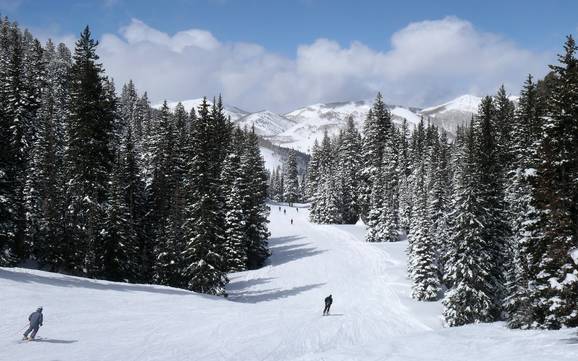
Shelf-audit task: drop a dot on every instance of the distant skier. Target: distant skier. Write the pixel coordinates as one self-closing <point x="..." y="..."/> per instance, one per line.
<point x="279" y="208"/>
<point x="291" y="220"/>
<point x="36" y="320"/>
<point x="284" y="211"/>
<point x="328" y="302"/>
<point x="297" y="209"/>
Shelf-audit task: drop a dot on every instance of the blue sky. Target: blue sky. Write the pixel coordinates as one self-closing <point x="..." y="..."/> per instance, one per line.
<point x="290" y="40"/>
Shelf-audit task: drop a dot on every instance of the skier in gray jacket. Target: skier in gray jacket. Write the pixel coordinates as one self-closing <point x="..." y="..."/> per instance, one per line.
<point x="36" y="320"/>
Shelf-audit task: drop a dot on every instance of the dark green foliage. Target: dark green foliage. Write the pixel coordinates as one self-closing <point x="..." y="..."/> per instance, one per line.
<point x="107" y="187"/>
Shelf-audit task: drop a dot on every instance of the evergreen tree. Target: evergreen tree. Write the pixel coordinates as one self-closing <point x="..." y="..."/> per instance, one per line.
<point x="203" y="253"/>
<point x="491" y="198"/>
<point x="235" y="217"/>
<point x="470" y="298"/>
<point x="313" y="174"/>
<point x="375" y="132"/>
<point x="423" y="265"/>
<point x="290" y="179"/>
<point x="45" y="182"/>
<point x="89" y="156"/>
<point x="526" y="138"/>
<point x="254" y="185"/>
<point x="348" y="173"/>
<point x="553" y="274"/>
<point x="167" y="200"/>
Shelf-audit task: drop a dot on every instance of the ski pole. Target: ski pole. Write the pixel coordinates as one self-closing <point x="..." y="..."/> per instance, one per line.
<point x="23" y="328"/>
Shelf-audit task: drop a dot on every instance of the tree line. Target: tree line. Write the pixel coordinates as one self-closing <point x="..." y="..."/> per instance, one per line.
<point x="105" y="186"/>
<point x="491" y="216"/>
<point x="285" y="183"/>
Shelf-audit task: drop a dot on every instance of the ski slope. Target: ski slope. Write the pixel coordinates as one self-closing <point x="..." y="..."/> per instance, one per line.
<point x="273" y="313"/>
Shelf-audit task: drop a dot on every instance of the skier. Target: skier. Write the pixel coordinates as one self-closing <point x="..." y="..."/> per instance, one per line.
<point x="291" y="221"/>
<point x="35" y="319"/>
<point x="328" y="302"/>
<point x="297" y="209"/>
<point x="284" y="211"/>
<point x="279" y="208"/>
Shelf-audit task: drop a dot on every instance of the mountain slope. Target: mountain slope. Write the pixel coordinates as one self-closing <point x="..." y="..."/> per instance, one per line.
<point x="454" y="113"/>
<point x="273" y="313"/>
<point x="266" y="123"/>
<point x="314" y="120"/>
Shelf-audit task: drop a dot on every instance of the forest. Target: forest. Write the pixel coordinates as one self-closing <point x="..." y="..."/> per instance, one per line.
<point x="104" y="186"/>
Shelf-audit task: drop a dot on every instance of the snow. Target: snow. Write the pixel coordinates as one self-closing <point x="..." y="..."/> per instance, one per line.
<point x="266" y="123"/>
<point x="574" y="255"/>
<point x="314" y="120"/>
<point x="464" y="103"/>
<point x="272" y="159"/>
<point x="234" y="112"/>
<point x="273" y="313"/>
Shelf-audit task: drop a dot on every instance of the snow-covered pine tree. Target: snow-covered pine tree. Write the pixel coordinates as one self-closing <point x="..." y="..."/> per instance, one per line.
<point x="141" y="120"/>
<point x="520" y="193"/>
<point x="235" y="223"/>
<point x="324" y="165"/>
<point x="405" y="190"/>
<point x="374" y="219"/>
<point x="20" y="102"/>
<point x="422" y="250"/>
<point x="492" y="199"/>
<point x="7" y="200"/>
<point x="376" y="129"/>
<point x="313" y="172"/>
<point x="448" y="249"/>
<point x="126" y="110"/>
<point x="254" y="188"/>
<point x="203" y="253"/>
<point x="45" y="179"/>
<point x="554" y="275"/>
<point x="470" y="298"/>
<point x="290" y="179"/>
<point x="166" y="197"/>
<point x="391" y="173"/>
<point x="89" y="156"/>
<point x="119" y="251"/>
<point x="439" y="183"/>
<point x="348" y="166"/>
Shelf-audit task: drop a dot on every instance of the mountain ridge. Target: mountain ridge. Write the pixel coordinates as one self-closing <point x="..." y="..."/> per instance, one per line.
<point x="299" y="128"/>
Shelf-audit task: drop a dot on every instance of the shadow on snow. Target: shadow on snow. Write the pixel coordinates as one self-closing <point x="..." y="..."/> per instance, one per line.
<point x="70" y="281"/>
<point x="270" y="294"/>
<point x="283" y="251"/>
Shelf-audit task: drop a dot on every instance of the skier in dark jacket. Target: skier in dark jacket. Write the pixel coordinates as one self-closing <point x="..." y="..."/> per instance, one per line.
<point x="36" y="320"/>
<point x="328" y="302"/>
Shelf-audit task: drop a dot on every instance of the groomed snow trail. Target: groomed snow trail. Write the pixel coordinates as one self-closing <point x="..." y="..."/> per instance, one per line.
<point x="273" y="313"/>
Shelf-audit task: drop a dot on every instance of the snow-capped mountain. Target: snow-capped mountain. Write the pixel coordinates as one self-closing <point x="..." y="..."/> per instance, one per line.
<point x="232" y="111"/>
<point x="454" y="113"/>
<point x="300" y="128"/>
<point x="312" y="121"/>
<point x="266" y="123"/>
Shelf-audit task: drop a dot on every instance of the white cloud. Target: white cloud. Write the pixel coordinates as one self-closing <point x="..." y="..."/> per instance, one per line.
<point x="428" y="62"/>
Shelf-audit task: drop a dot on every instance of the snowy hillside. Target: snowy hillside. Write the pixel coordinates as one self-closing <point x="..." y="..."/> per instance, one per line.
<point x="266" y="123"/>
<point x="314" y="120"/>
<point x="454" y="113"/>
<point x="272" y="159"/>
<point x="272" y="314"/>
